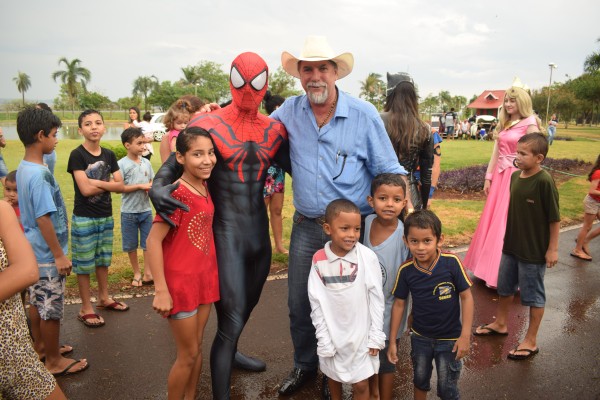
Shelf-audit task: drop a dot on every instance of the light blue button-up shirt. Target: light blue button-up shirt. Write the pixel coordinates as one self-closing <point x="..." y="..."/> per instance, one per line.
<point x="352" y="148"/>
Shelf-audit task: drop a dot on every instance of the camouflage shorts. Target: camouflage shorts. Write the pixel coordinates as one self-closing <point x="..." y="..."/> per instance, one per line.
<point x="48" y="296"/>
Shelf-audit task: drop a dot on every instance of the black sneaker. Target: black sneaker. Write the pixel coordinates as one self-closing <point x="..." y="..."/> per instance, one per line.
<point x="295" y="380"/>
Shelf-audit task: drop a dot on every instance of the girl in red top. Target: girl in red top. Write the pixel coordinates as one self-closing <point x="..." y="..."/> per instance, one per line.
<point x="184" y="263"/>
<point x="591" y="207"/>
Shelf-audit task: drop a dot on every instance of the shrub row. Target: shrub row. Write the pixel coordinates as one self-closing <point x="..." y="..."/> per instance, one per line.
<point x="471" y="179"/>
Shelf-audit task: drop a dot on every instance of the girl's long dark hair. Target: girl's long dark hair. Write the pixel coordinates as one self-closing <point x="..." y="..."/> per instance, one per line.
<point x="594" y="168"/>
<point x="405" y="128"/>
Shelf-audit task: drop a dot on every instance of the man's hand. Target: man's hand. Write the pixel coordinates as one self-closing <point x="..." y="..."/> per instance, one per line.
<point x="163" y="203"/>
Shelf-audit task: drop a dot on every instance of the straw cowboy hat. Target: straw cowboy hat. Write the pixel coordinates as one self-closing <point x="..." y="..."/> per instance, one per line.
<point x="316" y="48"/>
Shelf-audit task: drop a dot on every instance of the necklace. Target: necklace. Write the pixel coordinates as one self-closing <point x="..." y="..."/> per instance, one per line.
<point x="195" y="188"/>
<point x="510" y="124"/>
<point x="329" y="113"/>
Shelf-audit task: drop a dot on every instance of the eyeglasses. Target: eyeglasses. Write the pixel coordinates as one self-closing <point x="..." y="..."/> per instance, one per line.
<point x="337" y="156"/>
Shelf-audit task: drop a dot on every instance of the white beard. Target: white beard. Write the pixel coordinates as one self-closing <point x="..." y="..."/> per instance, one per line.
<point x="316" y="98"/>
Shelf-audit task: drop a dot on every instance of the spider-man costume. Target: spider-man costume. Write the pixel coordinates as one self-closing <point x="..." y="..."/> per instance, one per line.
<point x="246" y="143"/>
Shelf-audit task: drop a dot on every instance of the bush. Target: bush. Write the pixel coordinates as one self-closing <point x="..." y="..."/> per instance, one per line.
<point x="468" y="179"/>
<point x="471" y="179"/>
<point x="119" y="150"/>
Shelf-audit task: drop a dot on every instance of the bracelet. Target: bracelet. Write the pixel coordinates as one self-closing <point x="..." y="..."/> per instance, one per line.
<point x="488" y="177"/>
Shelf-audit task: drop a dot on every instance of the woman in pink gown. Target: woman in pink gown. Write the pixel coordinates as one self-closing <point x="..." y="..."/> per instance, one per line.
<point x="516" y="119"/>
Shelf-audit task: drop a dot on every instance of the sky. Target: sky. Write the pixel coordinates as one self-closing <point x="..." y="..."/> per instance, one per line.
<point x="462" y="46"/>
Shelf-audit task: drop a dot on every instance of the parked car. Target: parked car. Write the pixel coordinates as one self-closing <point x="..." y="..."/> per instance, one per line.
<point x="158" y="126"/>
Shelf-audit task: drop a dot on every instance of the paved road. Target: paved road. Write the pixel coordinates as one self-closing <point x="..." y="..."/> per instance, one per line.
<point x="130" y="357"/>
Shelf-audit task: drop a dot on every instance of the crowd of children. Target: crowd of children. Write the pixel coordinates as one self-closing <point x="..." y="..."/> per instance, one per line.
<point x="364" y="297"/>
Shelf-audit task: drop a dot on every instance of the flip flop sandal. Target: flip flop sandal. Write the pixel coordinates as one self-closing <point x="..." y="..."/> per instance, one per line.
<point x="67" y="371"/>
<point x="114" y="306"/>
<point x="490" y="332"/>
<point x="580" y="257"/>
<point x="85" y="317"/>
<point x="518" y="357"/>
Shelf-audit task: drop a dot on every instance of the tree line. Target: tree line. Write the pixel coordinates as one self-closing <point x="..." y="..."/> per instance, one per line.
<point x="576" y="99"/>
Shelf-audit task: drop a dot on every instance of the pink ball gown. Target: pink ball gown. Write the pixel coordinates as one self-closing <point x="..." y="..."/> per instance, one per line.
<point x="485" y="250"/>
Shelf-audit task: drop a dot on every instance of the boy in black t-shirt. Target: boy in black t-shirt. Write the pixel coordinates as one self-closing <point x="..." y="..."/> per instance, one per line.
<point x="441" y="299"/>
<point x="530" y="243"/>
<point x="92" y="222"/>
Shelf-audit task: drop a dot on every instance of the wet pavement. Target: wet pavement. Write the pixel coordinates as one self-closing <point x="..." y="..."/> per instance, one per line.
<point x="131" y="356"/>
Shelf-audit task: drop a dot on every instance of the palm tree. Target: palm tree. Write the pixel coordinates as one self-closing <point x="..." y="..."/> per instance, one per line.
<point x="445" y="99"/>
<point x="144" y="85"/>
<point x="592" y="62"/>
<point x="72" y="74"/>
<point x="372" y="89"/>
<point x="190" y="75"/>
<point x="23" y="84"/>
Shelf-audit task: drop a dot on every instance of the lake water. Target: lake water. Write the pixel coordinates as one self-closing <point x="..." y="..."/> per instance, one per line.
<point x="67" y="131"/>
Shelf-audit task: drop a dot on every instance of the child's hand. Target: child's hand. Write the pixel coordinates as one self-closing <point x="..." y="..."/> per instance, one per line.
<point x="462" y="347"/>
<point x="373" y="352"/>
<point x="63" y="265"/>
<point x="162" y="303"/>
<point x="392" y="353"/>
<point x="551" y="258"/>
<point x="146" y="186"/>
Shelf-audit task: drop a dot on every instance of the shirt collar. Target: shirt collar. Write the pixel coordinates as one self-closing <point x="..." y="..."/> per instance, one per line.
<point x="351" y="256"/>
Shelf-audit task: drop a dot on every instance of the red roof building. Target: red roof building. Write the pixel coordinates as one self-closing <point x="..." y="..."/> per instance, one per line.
<point x="488" y="103"/>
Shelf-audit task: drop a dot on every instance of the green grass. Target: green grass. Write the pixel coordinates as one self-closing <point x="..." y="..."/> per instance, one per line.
<point x="459" y="217"/>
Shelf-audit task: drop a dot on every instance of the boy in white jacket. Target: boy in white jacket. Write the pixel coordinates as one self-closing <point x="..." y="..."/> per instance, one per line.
<point x="346" y="298"/>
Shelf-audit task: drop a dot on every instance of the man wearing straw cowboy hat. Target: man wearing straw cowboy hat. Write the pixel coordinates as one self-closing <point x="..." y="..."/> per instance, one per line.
<point x="337" y="145"/>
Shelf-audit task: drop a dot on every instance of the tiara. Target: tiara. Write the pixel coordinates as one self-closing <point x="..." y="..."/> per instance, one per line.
<point x="518" y="84"/>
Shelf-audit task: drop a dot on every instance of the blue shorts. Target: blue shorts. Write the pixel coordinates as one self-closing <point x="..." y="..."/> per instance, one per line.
<point x="184" y="314"/>
<point x="385" y="366"/>
<point x="423" y="352"/>
<point x="91" y="243"/>
<point x="131" y="224"/>
<point x="516" y="275"/>
<point x="48" y="293"/>
<point x="3" y="169"/>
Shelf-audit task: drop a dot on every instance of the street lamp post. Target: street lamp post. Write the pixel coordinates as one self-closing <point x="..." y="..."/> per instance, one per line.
<point x="552" y="66"/>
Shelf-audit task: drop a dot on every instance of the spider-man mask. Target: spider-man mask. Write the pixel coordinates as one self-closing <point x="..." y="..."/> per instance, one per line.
<point x="248" y="81"/>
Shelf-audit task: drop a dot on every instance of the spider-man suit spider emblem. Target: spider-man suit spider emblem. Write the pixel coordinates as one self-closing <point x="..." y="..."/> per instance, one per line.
<point x="245" y="144"/>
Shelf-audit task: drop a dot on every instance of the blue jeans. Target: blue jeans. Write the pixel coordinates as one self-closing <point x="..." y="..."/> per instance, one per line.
<point x="306" y="239"/>
<point x="515" y="275"/>
<point x="423" y="352"/>
<point x="131" y="224"/>
<point x="551" y="133"/>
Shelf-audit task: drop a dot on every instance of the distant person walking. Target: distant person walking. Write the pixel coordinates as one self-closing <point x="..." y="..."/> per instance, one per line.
<point x="516" y="119"/>
<point x="552" y="128"/>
